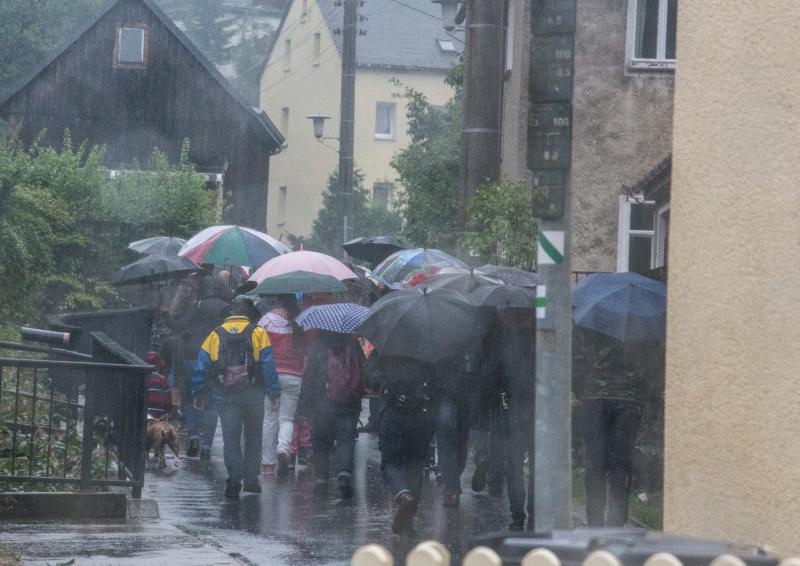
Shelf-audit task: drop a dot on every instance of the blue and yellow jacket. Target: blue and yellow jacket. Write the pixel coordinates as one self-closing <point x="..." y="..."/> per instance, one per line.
<point x="202" y="376"/>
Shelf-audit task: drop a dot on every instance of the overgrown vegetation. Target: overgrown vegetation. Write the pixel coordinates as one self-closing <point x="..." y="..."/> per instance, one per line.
<point x="65" y="224"/>
<point x="368" y="220"/>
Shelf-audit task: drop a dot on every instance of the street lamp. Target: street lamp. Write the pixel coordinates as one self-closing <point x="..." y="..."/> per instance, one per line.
<point x="449" y="13"/>
<point x="319" y="124"/>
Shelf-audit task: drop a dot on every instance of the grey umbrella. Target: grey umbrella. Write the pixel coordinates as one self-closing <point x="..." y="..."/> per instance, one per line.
<point x="159" y="245"/>
<point x="153" y="268"/>
<point x="510" y="275"/>
<point x="503" y="296"/>
<point x="461" y="280"/>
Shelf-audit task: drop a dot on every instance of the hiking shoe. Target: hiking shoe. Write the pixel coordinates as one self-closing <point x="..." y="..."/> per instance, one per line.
<point x="406" y="507"/>
<point x="194" y="448"/>
<point x="451" y="500"/>
<point x="479" y="477"/>
<point x="205" y="454"/>
<point x="283" y="464"/>
<point x="252" y="486"/>
<point x="232" y="489"/>
<point x="345" y="486"/>
<point x="267" y="469"/>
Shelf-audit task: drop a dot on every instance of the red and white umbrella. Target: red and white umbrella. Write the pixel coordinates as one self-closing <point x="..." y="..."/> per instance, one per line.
<point x="312" y="262"/>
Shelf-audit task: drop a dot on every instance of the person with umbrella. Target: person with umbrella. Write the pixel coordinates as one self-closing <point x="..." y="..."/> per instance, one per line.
<point x="333" y="385"/>
<point x="412" y="331"/>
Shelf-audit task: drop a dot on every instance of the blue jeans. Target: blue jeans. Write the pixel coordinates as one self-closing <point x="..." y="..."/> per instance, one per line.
<point x="202" y="423"/>
<point x="242" y="412"/>
<point x="452" y="430"/>
<point x="405" y="439"/>
<point x="331" y="426"/>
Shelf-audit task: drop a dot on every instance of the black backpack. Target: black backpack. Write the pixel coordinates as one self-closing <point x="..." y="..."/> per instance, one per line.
<point x="235" y="364"/>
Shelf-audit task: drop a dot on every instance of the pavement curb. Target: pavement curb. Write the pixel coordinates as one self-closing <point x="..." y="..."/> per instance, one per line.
<point x="39" y="506"/>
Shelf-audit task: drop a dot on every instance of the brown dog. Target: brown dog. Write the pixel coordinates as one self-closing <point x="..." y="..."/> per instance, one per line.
<point x="160" y="434"/>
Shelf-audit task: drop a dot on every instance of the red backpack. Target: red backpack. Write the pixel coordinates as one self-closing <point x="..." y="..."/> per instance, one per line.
<point x="345" y="385"/>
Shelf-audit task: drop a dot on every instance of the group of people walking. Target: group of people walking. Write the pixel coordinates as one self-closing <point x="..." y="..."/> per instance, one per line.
<point x="286" y="394"/>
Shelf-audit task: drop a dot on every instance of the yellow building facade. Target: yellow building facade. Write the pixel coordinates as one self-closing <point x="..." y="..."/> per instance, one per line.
<point x="303" y="77"/>
<point x="733" y="380"/>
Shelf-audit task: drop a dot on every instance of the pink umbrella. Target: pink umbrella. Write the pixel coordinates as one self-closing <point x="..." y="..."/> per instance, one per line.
<point x="303" y="261"/>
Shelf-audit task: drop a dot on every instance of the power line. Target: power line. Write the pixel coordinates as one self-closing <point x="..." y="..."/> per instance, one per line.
<point x="415" y="9"/>
<point x="308" y="72"/>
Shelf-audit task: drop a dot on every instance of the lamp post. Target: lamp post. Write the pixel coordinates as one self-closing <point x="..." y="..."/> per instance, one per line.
<point x="319" y="124"/>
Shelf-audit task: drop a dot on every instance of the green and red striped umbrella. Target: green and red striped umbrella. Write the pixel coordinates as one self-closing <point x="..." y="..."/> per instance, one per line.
<point x="232" y="245"/>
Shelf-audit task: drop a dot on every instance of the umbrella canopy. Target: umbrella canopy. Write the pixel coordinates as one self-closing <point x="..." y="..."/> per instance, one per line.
<point x="312" y="262"/>
<point x="459" y="280"/>
<point x="338" y="317"/>
<point x="232" y="245"/>
<point x="503" y="296"/>
<point x="510" y="275"/>
<point x="159" y="245"/>
<point x="401" y="266"/>
<point x="152" y="268"/>
<point x="299" y="282"/>
<point x="625" y="306"/>
<point x="425" y="325"/>
<point x="374" y="249"/>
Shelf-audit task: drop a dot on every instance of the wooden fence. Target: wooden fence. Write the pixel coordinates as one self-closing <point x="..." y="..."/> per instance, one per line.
<point x="432" y="553"/>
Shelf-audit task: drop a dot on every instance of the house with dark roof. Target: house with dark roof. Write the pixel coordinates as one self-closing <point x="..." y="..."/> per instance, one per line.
<point x="131" y="81"/>
<point x="402" y="40"/>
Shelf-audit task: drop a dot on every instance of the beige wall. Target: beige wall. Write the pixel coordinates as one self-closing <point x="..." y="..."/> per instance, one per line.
<point x="304" y="166"/>
<point x="733" y="362"/>
<point x="622" y="124"/>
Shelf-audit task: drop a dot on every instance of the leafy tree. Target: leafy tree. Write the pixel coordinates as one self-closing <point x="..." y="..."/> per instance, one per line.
<point x="501" y="227"/>
<point x="429" y="168"/>
<point x="368" y="220"/>
<point x="30" y="28"/>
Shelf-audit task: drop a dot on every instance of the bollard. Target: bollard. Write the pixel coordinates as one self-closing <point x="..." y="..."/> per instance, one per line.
<point x="428" y="553"/>
<point x="482" y="556"/>
<point x="372" y="555"/>
<point x="603" y="558"/>
<point x="727" y="560"/>
<point x="663" y="559"/>
<point x="541" y="557"/>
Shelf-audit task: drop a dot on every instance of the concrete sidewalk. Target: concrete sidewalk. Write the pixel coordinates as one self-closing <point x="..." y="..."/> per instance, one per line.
<point x="132" y="542"/>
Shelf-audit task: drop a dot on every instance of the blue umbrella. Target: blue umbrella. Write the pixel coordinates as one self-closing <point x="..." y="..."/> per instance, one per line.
<point x="625" y="306"/>
<point x="339" y="317"/>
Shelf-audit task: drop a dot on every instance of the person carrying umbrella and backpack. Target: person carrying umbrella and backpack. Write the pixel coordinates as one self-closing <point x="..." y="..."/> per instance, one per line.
<point x="333" y="386"/>
<point x="235" y="363"/>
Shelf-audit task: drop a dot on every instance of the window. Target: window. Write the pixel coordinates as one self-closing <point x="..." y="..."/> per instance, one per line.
<point x="447" y="45"/>
<point x="662" y="237"/>
<point x="282" y="196"/>
<point x="287" y="55"/>
<point x="512" y="17"/>
<point x="316" y="47"/>
<point x="304" y="12"/>
<point x="130" y="47"/>
<point x="382" y="194"/>
<point x="384" y="120"/>
<point x="636" y="233"/>
<point x="651" y="34"/>
<point x="285" y="122"/>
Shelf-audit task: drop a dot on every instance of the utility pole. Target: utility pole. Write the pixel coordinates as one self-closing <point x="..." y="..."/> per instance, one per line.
<point x="347" y="114"/>
<point x="549" y="159"/>
<point x="483" y="98"/>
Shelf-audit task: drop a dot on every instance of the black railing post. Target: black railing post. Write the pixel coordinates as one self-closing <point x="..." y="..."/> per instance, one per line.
<point x="140" y="433"/>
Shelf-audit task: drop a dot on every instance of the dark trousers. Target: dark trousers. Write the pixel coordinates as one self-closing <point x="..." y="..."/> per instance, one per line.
<point x="242" y="414"/>
<point x="517" y="432"/>
<point x="609" y="435"/>
<point x="452" y="432"/>
<point x="404" y="441"/>
<point x="331" y="426"/>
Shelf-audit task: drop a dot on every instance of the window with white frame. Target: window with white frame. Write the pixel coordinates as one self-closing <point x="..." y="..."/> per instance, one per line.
<point x="285" y="122"/>
<point x="287" y="55"/>
<point x="316" y="49"/>
<point x="382" y="194"/>
<point x="661" y="244"/>
<point x="385" y="120"/>
<point x="304" y="12"/>
<point x="282" y="197"/>
<point x="651" y="34"/>
<point x="131" y="46"/>
<point x="636" y="235"/>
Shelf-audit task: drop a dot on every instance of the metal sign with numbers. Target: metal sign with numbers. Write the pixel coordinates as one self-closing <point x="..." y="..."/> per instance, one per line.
<point x="552" y="66"/>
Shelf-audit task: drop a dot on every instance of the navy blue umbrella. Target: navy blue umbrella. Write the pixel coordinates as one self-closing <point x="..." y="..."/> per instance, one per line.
<point x="625" y="306"/>
<point x="338" y="317"/>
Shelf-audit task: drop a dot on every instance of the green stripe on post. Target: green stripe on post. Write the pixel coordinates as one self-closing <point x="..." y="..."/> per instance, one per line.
<point x="550" y="249"/>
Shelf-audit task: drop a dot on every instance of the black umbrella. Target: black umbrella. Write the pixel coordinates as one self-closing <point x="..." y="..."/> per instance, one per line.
<point x="508" y="296"/>
<point x="299" y="282"/>
<point x="160" y="245"/>
<point x="510" y="275"/>
<point x="374" y="249"/>
<point x="424" y="325"/>
<point x="460" y="280"/>
<point x="153" y="268"/>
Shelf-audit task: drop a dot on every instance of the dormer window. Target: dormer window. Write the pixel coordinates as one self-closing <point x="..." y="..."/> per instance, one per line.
<point x="131" y="47"/>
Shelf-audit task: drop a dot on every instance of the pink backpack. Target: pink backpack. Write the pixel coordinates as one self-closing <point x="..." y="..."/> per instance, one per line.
<point x="345" y="385"/>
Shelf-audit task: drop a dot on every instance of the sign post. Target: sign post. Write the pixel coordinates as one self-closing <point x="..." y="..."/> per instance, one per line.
<point x="549" y="159"/>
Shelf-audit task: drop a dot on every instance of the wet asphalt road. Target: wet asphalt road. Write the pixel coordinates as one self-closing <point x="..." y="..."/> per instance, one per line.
<point x="292" y="525"/>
